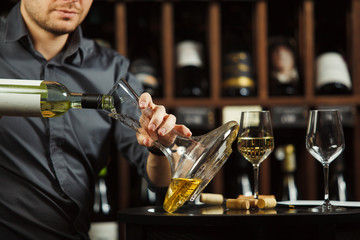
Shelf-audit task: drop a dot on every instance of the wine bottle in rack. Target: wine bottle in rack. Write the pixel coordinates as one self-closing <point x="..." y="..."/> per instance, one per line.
<point x="37" y="98"/>
<point x="100" y="22"/>
<point x="101" y="204"/>
<point x="286" y="154"/>
<point x="237" y="75"/>
<point x="196" y="118"/>
<point x="103" y="225"/>
<point x="237" y="172"/>
<point x="144" y="45"/>
<point x="145" y="72"/>
<point x="190" y="35"/>
<point x="332" y="51"/>
<point x="243" y="181"/>
<point x="332" y="75"/>
<point x="284" y="76"/>
<point x="338" y="184"/>
<point x="190" y="73"/>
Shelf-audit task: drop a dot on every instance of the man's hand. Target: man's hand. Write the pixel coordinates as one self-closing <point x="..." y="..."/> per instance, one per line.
<point x="157" y="124"/>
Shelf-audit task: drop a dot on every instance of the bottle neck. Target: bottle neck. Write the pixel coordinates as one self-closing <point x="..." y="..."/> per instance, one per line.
<point x="94" y="101"/>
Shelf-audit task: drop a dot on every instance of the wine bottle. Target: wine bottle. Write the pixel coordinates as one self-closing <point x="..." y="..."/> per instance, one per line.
<point x="101" y="205"/>
<point x="289" y="189"/>
<point x="237" y="44"/>
<point x="332" y="77"/>
<point x="103" y="224"/>
<point x="100" y="23"/>
<point x="144" y="45"/>
<point x="190" y="37"/>
<point x="190" y="72"/>
<point x="37" y="98"/>
<point x="337" y="183"/>
<point x="332" y="48"/>
<point x="284" y="77"/>
<point x="238" y="79"/>
<point x="145" y="72"/>
<point x="237" y="172"/>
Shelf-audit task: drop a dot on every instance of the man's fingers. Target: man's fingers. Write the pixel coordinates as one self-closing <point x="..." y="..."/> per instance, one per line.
<point x="167" y="125"/>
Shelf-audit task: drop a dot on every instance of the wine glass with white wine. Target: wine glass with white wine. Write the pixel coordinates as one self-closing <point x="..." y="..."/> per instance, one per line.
<point x="325" y="142"/>
<point x="255" y="140"/>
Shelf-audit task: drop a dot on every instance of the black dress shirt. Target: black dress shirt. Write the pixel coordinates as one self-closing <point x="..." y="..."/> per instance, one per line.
<point x="48" y="166"/>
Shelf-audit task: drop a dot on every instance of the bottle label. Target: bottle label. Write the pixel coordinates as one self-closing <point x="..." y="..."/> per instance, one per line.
<point x="189" y="54"/>
<point x="14" y="104"/>
<point x="13" y="100"/>
<point x="237" y="70"/>
<point x="18" y="82"/>
<point x="283" y="67"/>
<point x="331" y="68"/>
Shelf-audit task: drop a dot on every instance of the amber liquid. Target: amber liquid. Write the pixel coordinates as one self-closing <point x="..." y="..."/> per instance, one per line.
<point x="54" y="108"/>
<point x="179" y="191"/>
<point x="255" y="150"/>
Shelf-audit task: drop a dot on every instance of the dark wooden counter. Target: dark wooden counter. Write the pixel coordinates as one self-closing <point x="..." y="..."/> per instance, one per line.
<point x="209" y="222"/>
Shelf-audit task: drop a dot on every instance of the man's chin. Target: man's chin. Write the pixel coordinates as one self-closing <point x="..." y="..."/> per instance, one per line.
<point x="61" y="29"/>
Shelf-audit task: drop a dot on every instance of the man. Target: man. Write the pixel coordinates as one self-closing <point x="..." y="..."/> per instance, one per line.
<point x="48" y="166"/>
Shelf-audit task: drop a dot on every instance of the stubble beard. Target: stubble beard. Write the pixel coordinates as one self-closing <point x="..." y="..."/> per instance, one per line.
<point x="56" y="29"/>
<point x="54" y="24"/>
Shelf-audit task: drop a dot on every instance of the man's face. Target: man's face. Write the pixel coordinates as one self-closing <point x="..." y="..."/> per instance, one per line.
<point x="55" y="16"/>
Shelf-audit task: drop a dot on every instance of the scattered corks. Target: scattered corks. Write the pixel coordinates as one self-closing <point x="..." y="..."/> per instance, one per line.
<point x="241" y="202"/>
<point x="263" y="201"/>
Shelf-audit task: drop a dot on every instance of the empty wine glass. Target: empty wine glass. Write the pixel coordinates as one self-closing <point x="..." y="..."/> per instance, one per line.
<point x="255" y="140"/>
<point x="325" y="141"/>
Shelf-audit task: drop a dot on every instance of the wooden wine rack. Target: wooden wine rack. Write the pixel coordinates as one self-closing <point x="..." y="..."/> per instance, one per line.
<point x="306" y="40"/>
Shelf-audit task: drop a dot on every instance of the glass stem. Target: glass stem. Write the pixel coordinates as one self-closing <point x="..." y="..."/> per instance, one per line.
<point x="326" y="184"/>
<point x="256" y="180"/>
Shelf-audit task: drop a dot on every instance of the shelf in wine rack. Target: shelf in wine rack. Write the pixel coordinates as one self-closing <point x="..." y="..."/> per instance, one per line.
<point x="266" y="102"/>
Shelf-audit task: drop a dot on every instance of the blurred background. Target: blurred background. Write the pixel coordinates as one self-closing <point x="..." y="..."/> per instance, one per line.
<point x="207" y="61"/>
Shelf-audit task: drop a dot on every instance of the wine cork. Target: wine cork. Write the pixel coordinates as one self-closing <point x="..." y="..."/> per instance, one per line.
<point x="212" y="198"/>
<point x="266" y="203"/>
<point x="252" y="196"/>
<point x="267" y="196"/>
<point x="237" y="204"/>
<point x="254" y="202"/>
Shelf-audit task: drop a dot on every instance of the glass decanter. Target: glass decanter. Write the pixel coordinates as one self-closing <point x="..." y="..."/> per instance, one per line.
<point x="194" y="161"/>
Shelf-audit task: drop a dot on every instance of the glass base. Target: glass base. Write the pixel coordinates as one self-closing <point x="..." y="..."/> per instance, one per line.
<point x="327" y="207"/>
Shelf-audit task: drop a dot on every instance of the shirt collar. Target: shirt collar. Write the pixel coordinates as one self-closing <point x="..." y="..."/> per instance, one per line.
<point x="16" y="30"/>
<point x="15" y="26"/>
<point x="74" y="49"/>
